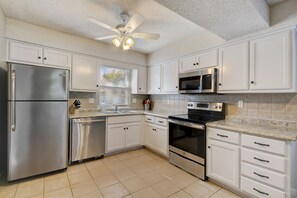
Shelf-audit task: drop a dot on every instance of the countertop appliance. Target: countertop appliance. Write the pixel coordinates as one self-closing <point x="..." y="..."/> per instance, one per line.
<point x="87" y="138"/>
<point x="187" y="136"/>
<point x="201" y="81"/>
<point x="37" y="120"/>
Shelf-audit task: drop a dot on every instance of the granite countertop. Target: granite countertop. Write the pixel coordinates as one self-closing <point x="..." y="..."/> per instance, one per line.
<point x="271" y="129"/>
<point x="85" y="114"/>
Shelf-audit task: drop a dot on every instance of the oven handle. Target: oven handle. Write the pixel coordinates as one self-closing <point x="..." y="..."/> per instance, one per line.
<point x="188" y="124"/>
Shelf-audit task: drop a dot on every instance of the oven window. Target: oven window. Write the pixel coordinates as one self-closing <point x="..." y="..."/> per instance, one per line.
<point x="206" y="81"/>
<point x="188" y="139"/>
<point x="189" y="83"/>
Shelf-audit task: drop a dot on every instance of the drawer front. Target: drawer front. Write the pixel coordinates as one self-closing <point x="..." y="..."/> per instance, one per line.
<point x="161" y="121"/>
<point x="264" y="144"/>
<point x="260" y="190"/>
<point x="263" y="175"/>
<point x="150" y="119"/>
<point x="123" y="119"/>
<point x="262" y="159"/>
<point x="223" y="135"/>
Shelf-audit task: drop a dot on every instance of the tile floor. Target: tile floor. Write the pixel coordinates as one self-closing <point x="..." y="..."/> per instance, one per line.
<point x="135" y="174"/>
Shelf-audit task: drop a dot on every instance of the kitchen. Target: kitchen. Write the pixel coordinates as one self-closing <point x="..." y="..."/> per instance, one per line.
<point x="220" y="79"/>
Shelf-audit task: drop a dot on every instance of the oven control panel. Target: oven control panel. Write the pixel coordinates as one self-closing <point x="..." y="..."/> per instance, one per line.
<point x="209" y="106"/>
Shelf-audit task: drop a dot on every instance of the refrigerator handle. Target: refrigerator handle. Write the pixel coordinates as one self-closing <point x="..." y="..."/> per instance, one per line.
<point x="13" y="98"/>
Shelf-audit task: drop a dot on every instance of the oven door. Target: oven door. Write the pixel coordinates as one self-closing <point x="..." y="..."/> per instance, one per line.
<point x="189" y="84"/>
<point x="188" y="139"/>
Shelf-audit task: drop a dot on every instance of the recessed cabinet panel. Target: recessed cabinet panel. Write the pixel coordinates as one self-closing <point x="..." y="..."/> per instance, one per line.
<point x="233" y="69"/>
<point x="188" y="64"/>
<point x="56" y="58"/>
<point x="208" y="59"/>
<point x="116" y="137"/>
<point x="270" y="65"/>
<point x="25" y="53"/>
<point x="154" y="79"/>
<point x="133" y="135"/>
<point x="84" y="73"/>
<point x="170" y="77"/>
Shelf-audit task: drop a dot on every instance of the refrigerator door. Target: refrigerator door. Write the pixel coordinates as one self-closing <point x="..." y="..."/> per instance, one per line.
<point x="39" y="142"/>
<point x="37" y="83"/>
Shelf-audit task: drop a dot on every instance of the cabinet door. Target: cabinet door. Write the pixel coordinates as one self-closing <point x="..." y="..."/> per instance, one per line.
<point x="270" y="62"/>
<point x="56" y="57"/>
<point x="169" y="77"/>
<point x="208" y="59"/>
<point x="162" y="140"/>
<point x="133" y="134"/>
<point x="234" y="62"/>
<point x="84" y="73"/>
<point x="149" y="136"/>
<point x="223" y="162"/>
<point x="115" y="137"/>
<point x="142" y="79"/>
<point x="154" y="79"/>
<point x="25" y="52"/>
<point x="188" y="64"/>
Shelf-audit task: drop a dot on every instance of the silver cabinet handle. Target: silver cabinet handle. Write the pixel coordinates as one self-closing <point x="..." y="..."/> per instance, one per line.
<point x="187" y="124"/>
<point x="13" y="98"/>
<point x="89" y="121"/>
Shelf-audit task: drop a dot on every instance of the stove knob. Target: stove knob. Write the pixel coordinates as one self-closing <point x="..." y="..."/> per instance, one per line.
<point x="191" y="105"/>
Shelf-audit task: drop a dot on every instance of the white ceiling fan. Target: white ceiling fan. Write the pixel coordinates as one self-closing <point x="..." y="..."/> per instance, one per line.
<point x="125" y="32"/>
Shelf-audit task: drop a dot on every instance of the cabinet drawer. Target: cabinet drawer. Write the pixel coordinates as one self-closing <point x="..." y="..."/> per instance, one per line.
<point x="262" y="159"/>
<point x="263" y="175"/>
<point x="226" y="136"/>
<point x="161" y="121"/>
<point x="123" y="119"/>
<point x="150" y="119"/>
<point x="260" y="190"/>
<point x="264" y="144"/>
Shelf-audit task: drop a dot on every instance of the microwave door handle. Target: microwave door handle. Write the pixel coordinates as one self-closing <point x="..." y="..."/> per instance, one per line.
<point x="200" y="88"/>
<point x="13" y="103"/>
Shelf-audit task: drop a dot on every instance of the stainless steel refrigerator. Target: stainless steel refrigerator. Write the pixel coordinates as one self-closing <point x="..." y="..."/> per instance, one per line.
<point x="37" y="120"/>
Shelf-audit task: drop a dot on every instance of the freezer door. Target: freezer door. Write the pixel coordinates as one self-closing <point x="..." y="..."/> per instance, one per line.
<point x="37" y="83"/>
<point x="39" y="142"/>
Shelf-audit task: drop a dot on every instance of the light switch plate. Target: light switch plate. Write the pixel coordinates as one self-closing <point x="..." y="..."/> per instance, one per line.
<point x="134" y="100"/>
<point x="240" y="104"/>
<point x="91" y="100"/>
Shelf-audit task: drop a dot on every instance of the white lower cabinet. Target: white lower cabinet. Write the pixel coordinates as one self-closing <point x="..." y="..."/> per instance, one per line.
<point x="156" y="134"/>
<point x="120" y="136"/>
<point x="223" y="161"/>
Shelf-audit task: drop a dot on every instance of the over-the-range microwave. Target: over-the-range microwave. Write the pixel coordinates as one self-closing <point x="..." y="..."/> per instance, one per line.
<point x="201" y="81"/>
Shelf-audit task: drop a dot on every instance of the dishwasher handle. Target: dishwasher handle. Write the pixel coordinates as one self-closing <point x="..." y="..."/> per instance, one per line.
<point x="88" y="121"/>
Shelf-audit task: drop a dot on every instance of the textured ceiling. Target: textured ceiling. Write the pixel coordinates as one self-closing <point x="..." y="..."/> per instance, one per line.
<point x="273" y="2"/>
<point x="70" y="16"/>
<point x="227" y="19"/>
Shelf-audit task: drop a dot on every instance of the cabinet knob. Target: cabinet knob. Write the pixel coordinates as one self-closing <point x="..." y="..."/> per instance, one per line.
<point x="139" y="88"/>
<point x="220" y="84"/>
<point x="97" y="85"/>
<point x="197" y="63"/>
<point x="39" y="57"/>
<point x="252" y="82"/>
<point x="208" y="147"/>
<point x="44" y="58"/>
<point x="194" y="63"/>
<point x="159" y="88"/>
<point x="176" y="86"/>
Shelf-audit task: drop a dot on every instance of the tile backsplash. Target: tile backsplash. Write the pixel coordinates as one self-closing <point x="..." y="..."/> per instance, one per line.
<point x="264" y="106"/>
<point x="85" y="104"/>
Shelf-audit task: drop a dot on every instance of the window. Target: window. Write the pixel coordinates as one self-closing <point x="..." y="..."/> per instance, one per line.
<point x="114" y="86"/>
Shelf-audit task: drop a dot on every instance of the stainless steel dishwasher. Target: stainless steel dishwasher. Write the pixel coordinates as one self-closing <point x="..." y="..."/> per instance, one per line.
<point x="87" y="138"/>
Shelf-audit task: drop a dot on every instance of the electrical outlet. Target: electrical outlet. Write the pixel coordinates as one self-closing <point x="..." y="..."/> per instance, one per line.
<point x="240" y="104"/>
<point x="134" y="100"/>
<point x="91" y="100"/>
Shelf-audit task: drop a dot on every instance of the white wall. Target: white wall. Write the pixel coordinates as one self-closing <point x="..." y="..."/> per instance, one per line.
<point x="184" y="47"/>
<point x="19" y="30"/>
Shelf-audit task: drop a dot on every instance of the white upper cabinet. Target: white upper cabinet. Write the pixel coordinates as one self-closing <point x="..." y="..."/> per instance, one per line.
<point x="27" y="53"/>
<point x="56" y="57"/>
<point x="199" y="61"/>
<point x="154" y="79"/>
<point x="270" y="65"/>
<point x="139" y="81"/>
<point x="234" y="67"/>
<point x="169" y="77"/>
<point x="84" y="74"/>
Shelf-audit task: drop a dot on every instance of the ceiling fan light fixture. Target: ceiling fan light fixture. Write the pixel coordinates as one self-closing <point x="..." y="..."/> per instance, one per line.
<point x="126" y="47"/>
<point x="128" y="41"/>
<point x="117" y="41"/>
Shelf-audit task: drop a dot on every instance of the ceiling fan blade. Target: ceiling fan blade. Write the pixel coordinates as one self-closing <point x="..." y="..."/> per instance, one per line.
<point x="106" y="37"/>
<point x="92" y="20"/>
<point x="146" y="35"/>
<point x="134" y="22"/>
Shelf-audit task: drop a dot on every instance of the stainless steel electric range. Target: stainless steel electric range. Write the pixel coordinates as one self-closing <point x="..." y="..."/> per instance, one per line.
<point x="187" y="136"/>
